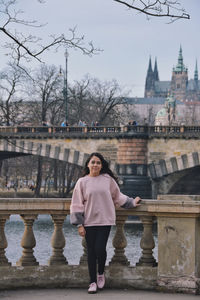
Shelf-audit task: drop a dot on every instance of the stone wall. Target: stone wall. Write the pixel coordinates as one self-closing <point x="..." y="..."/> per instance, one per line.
<point x="159" y="148"/>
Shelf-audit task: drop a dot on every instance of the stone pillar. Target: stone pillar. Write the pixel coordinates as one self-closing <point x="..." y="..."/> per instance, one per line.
<point x="83" y="259"/>
<point x="119" y="243"/>
<point x="132" y="166"/>
<point x="132" y="150"/>
<point x="28" y="242"/>
<point x="3" y="241"/>
<point x="179" y="253"/>
<point x="58" y="241"/>
<point x="147" y="243"/>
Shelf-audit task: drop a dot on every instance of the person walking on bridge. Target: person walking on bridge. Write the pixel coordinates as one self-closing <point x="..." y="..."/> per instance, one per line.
<point x="95" y="196"/>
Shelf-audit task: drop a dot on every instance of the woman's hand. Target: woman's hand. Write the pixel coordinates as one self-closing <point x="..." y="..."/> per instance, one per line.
<point x="81" y="230"/>
<point x="137" y="201"/>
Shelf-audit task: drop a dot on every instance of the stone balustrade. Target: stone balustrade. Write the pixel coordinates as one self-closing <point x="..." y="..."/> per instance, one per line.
<point x="177" y="268"/>
<point x="95" y="131"/>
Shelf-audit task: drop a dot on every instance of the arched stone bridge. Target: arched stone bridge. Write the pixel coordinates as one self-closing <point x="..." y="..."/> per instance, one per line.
<point x="155" y="159"/>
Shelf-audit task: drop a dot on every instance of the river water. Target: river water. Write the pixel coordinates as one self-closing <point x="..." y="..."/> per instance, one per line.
<point x="43" y="230"/>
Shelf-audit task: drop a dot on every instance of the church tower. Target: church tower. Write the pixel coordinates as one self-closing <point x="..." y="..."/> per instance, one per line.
<point x="179" y="79"/>
<point x="196" y="77"/>
<point x="156" y="76"/>
<point x="150" y="82"/>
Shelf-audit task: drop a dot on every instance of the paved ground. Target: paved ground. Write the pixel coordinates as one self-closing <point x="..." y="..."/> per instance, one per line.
<point x="81" y="294"/>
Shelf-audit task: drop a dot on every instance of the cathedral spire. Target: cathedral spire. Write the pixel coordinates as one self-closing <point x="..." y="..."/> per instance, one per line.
<point x="196" y="73"/>
<point x="180" y="57"/>
<point x="180" y="65"/>
<point x="156" y="76"/>
<point x="149" y="67"/>
<point x="150" y="81"/>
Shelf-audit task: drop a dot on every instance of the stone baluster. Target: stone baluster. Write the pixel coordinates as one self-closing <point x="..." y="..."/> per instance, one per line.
<point x="147" y="243"/>
<point x="28" y="242"/>
<point x="83" y="259"/>
<point x="3" y="241"/>
<point x="58" y="241"/>
<point x="119" y="243"/>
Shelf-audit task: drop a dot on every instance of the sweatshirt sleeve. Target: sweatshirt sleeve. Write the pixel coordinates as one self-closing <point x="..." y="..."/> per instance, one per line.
<point x="130" y="203"/>
<point x="77" y="206"/>
<point x="119" y="199"/>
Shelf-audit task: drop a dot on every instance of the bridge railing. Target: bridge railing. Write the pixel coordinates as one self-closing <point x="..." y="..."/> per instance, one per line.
<point x="152" y="131"/>
<point x="178" y="265"/>
<point x="86" y="129"/>
<point x="58" y="129"/>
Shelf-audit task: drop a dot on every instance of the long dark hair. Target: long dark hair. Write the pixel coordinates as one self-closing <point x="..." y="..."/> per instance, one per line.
<point x="105" y="166"/>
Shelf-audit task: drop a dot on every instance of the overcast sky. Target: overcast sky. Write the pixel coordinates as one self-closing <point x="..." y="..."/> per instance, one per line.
<point x="126" y="37"/>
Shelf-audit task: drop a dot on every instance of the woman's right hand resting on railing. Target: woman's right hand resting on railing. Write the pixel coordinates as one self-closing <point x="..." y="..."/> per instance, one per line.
<point x="81" y="230"/>
<point x="137" y="201"/>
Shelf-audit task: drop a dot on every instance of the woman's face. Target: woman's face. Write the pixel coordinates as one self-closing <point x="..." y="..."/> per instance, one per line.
<point x="94" y="166"/>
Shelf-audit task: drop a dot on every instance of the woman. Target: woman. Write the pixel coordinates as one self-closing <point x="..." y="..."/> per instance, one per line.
<point x="93" y="211"/>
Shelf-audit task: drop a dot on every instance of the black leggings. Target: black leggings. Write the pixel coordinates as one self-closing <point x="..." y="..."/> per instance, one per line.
<point x="96" y="240"/>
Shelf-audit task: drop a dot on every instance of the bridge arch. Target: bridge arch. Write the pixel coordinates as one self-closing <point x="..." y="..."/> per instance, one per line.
<point x="176" y="175"/>
<point x="188" y="183"/>
<point x="26" y="147"/>
<point x="164" y="167"/>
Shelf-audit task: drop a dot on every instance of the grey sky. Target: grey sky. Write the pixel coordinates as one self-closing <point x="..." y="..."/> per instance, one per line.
<point x="126" y="37"/>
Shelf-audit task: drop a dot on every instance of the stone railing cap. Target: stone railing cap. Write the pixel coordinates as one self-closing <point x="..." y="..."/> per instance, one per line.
<point x="60" y="205"/>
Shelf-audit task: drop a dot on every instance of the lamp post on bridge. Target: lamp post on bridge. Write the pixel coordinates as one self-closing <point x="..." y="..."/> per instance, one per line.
<point x="65" y="92"/>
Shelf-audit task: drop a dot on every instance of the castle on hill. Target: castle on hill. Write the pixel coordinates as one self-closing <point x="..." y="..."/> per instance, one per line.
<point x="182" y="88"/>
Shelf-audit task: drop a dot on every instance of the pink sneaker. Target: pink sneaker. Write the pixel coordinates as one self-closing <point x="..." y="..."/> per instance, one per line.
<point x="92" y="288"/>
<point x="100" y="281"/>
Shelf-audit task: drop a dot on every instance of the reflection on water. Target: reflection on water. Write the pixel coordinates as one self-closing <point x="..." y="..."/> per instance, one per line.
<point x="43" y="230"/>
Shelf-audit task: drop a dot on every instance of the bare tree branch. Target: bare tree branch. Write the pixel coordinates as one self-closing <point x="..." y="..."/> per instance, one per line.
<point x="26" y="47"/>
<point x="23" y="47"/>
<point x="157" y="8"/>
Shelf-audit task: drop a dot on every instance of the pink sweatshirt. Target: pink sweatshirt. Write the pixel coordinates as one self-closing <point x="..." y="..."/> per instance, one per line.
<point x="94" y="200"/>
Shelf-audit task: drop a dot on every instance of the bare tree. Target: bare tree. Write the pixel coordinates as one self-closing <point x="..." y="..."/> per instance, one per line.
<point x="92" y="100"/>
<point x="103" y="98"/>
<point x="11" y="91"/>
<point x="68" y="175"/>
<point x="78" y="100"/>
<point x="21" y="169"/>
<point x="45" y="91"/>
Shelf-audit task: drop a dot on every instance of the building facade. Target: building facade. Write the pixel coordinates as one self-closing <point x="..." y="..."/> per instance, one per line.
<point x="180" y="86"/>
